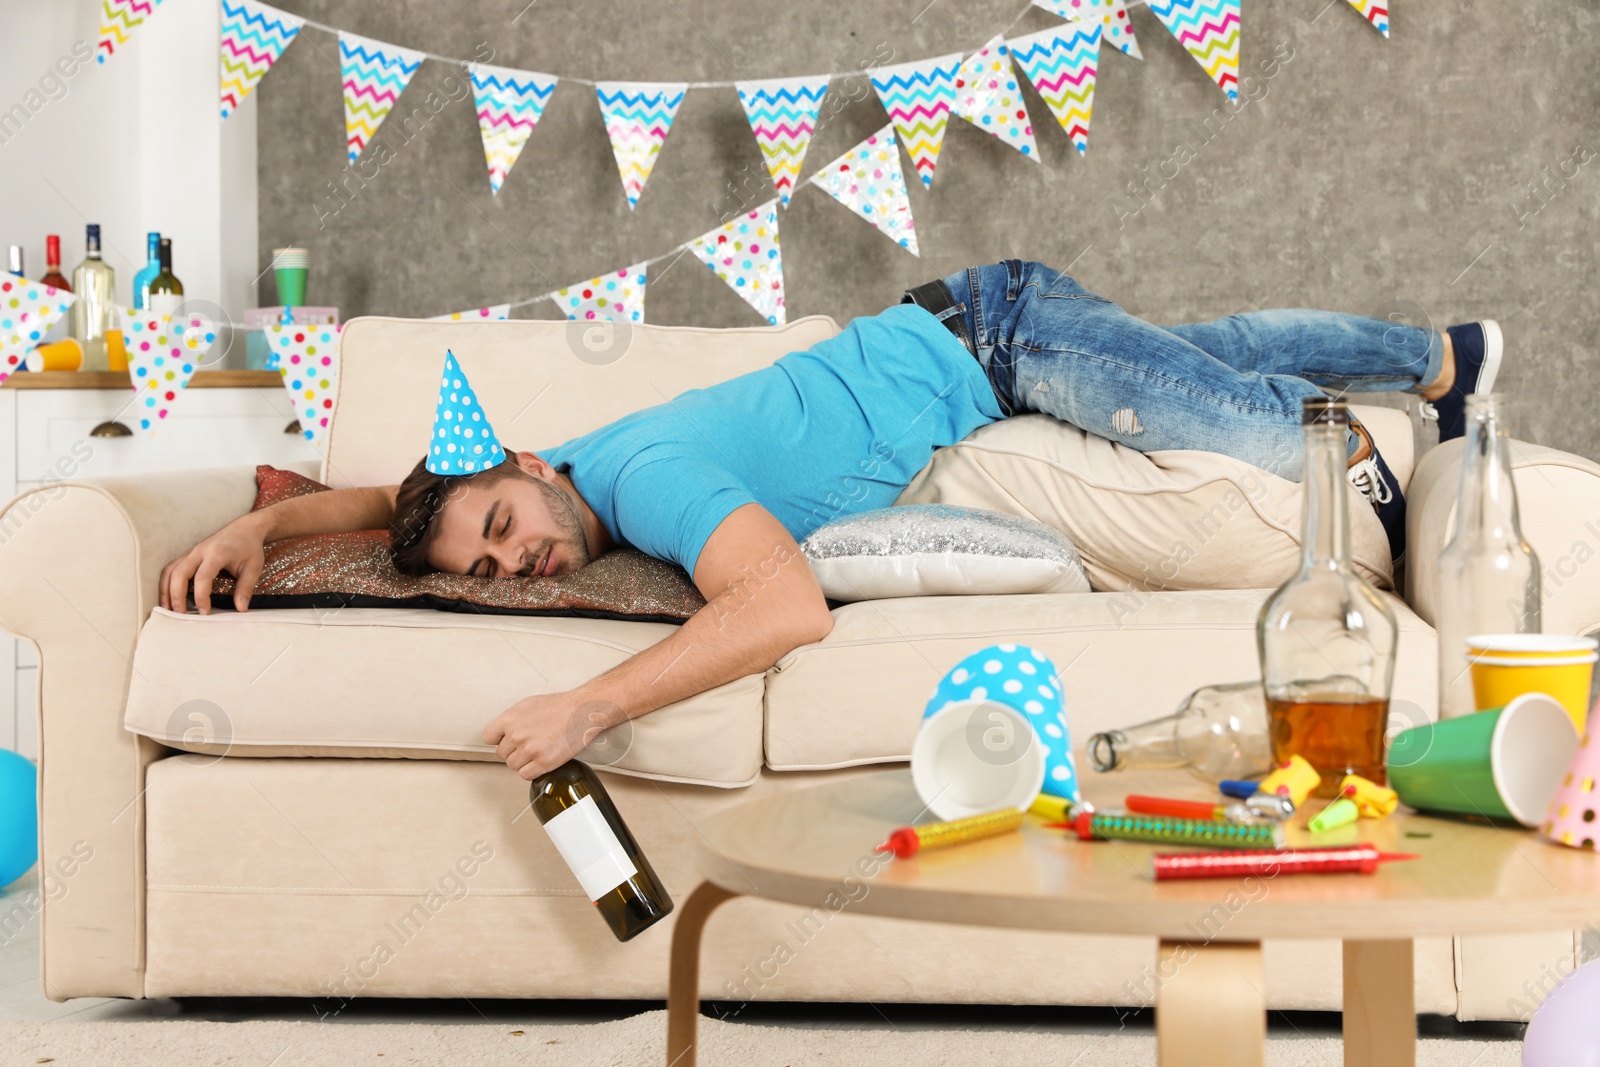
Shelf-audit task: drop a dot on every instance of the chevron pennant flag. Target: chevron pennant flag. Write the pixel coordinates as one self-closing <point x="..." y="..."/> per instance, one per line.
<point x="744" y="253"/>
<point x="27" y="311"/>
<point x="1209" y="29"/>
<point x="509" y="104"/>
<point x="375" y="74"/>
<point x="616" y="296"/>
<point x="868" y="180"/>
<point x="1376" y="12"/>
<point x="987" y="96"/>
<point x="1061" y="63"/>
<point x="638" y="118"/>
<point x="918" y="97"/>
<point x="253" y="37"/>
<point x="308" y="362"/>
<point x="118" y="20"/>
<point x="1115" y="29"/>
<point x="783" y="115"/>
<point x="492" y="313"/>
<point x="163" y="354"/>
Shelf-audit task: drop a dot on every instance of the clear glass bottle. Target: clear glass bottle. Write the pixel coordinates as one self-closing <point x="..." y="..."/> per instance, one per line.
<point x="14" y="262"/>
<point x="1219" y="731"/>
<point x="94" y="281"/>
<point x="1489" y="578"/>
<point x="1326" y="638"/>
<point x="152" y="267"/>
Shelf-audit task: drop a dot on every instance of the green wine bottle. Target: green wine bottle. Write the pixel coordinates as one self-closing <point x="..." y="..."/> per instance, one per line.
<point x="588" y="831"/>
<point x="166" y="291"/>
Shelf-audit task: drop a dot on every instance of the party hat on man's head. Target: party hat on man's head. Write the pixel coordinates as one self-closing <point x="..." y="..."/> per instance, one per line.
<point x="463" y="442"/>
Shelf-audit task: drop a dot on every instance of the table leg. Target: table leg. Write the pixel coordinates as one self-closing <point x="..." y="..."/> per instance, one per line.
<point x="683" y="974"/>
<point x="1209" y="1005"/>
<point x="1380" y="1008"/>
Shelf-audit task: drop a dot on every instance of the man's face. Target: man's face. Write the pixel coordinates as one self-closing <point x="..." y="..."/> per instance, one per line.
<point x="521" y="525"/>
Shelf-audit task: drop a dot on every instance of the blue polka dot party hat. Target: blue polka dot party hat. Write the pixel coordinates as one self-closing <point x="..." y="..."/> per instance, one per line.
<point x="463" y="442"/>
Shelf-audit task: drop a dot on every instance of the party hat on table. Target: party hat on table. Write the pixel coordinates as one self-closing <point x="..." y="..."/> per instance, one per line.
<point x="1574" y="815"/>
<point x="463" y="441"/>
<point x="27" y="310"/>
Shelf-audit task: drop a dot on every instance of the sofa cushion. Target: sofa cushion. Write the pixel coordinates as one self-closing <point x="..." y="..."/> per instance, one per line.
<point x="857" y="696"/>
<point x="418" y="684"/>
<point x="1142" y="520"/>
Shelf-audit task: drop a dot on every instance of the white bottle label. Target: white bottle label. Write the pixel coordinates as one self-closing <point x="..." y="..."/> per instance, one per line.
<point x="164" y="303"/>
<point x="584" y="839"/>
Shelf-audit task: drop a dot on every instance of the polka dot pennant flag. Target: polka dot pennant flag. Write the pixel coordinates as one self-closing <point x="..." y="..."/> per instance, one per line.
<point x="27" y="311"/>
<point x="638" y="117"/>
<point x="1061" y="62"/>
<point x="1025" y="680"/>
<point x="987" y="95"/>
<point x="783" y="115"/>
<point x="868" y="180"/>
<point x="375" y="74"/>
<point x="1375" y="12"/>
<point x="253" y="37"/>
<point x="509" y="104"/>
<point x="307" y="359"/>
<point x="492" y="313"/>
<point x="918" y="97"/>
<point x="1209" y="30"/>
<point x="1115" y="28"/>
<point x="463" y="442"/>
<point x="163" y="354"/>
<point x="118" y="20"/>
<point x="618" y="296"/>
<point x="744" y="253"/>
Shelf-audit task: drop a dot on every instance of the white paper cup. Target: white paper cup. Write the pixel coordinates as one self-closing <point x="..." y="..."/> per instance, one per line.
<point x="974" y="757"/>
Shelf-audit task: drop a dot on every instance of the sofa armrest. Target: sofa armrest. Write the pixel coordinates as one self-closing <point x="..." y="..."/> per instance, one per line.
<point x="79" y="563"/>
<point x="1558" y="497"/>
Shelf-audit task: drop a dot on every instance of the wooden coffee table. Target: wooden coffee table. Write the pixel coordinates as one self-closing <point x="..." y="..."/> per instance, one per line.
<point x="1478" y="879"/>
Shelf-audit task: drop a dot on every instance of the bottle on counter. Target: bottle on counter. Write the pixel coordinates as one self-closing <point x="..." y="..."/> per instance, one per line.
<point x="165" y="295"/>
<point x="14" y="262"/>
<point x="94" y="281"/>
<point x="152" y="267"/>
<point x="52" y="264"/>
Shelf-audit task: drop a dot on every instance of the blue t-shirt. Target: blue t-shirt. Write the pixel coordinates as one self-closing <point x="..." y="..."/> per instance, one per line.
<point x="840" y="428"/>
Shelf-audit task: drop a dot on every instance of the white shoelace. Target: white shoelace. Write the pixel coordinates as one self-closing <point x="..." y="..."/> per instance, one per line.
<point x="1369" y="482"/>
<point x="1428" y="412"/>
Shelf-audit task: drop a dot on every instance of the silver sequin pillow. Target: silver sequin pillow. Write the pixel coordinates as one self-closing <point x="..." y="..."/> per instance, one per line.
<point x="941" y="550"/>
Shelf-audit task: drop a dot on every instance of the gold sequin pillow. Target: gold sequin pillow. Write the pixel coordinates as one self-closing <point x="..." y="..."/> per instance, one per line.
<point x="355" y="570"/>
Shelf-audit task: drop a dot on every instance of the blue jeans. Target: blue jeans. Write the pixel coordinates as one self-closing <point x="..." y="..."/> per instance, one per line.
<point x="1232" y="386"/>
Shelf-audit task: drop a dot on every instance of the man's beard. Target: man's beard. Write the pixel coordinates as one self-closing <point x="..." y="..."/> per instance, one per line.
<point x="566" y="517"/>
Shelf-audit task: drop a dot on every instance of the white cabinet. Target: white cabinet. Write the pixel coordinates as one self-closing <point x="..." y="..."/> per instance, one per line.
<point x="225" y="419"/>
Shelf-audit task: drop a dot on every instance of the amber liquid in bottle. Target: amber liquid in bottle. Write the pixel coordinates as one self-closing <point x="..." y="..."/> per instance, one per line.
<point x="1336" y="733"/>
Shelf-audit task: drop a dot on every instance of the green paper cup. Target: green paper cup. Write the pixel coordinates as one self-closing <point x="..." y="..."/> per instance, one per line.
<point x="291" y="267"/>
<point x="1504" y="763"/>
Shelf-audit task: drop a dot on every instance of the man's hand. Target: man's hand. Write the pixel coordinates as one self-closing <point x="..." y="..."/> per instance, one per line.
<point x="236" y="548"/>
<point x="539" y="733"/>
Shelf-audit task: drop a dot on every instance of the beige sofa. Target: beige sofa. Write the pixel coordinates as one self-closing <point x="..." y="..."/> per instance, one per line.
<point x="337" y="829"/>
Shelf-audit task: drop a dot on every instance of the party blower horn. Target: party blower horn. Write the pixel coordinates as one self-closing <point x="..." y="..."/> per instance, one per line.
<point x="1573" y="818"/>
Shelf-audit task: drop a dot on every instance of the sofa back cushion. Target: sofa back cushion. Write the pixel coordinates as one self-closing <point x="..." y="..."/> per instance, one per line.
<point x="540" y="382"/>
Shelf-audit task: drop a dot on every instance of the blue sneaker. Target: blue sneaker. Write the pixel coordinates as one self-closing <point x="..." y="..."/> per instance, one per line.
<point x="1376" y="482"/>
<point x="1478" y="347"/>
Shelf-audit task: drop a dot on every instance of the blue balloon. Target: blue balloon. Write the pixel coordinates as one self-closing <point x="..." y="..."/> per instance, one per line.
<point x="19" y="816"/>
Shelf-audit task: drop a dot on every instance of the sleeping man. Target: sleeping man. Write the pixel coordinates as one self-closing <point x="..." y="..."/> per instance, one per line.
<point x="726" y="481"/>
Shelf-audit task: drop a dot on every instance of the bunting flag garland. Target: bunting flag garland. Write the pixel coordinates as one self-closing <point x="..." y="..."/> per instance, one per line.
<point x="1061" y="64"/>
<point x="253" y="37"/>
<point x="308" y="362"/>
<point x="1209" y="29"/>
<point x="162" y="356"/>
<point x="1115" y="27"/>
<point x="509" y="104"/>
<point x="744" y="253"/>
<point x="918" y="97"/>
<point x="492" y="313"/>
<point x="638" y="117"/>
<point x="375" y="74"/>
<point x="27" y="311"/>
<point x="118" y="20"/>
<point x="988" y="97"/>
<point x="617" y="296"/>
<point x="868" y="180"/>
<point x="1375" y="12"/>
<point x="783" y="115"/>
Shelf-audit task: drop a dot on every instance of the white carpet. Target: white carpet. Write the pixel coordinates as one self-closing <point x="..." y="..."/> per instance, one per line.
<point x="640" y="1039"/>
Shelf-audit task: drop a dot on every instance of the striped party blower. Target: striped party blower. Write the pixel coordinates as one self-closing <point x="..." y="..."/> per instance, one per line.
<point x="1375" y="12"/>
<point x="918" y="97"/>
<point x="638" y="118"/>
<point x="253" y="37"/>
<point x="783" y="116"/>
<point x="375" y="74"/>
<point x="1115" y="28"/>
<point x="509" y="104"/>
<point x="1209" y="29"/>
<point x="1061" y="63"/>
<point x="118" y="20"/>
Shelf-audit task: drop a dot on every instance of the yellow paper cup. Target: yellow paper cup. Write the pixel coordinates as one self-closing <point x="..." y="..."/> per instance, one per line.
<point x="116" y="351"/>
<point x="58" y="355"/>
<point x="1505" y="667"/>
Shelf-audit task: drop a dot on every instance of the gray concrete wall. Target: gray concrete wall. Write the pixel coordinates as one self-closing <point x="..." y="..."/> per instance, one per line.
<point x="1449" y="173"/>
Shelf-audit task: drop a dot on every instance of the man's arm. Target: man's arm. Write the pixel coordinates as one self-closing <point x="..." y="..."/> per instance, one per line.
<point x="761" y="602"/>
<point x="237" y="547"/>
